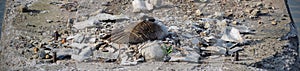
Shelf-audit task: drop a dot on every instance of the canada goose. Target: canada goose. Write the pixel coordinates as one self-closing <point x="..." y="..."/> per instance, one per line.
<point x="139" y="32"/>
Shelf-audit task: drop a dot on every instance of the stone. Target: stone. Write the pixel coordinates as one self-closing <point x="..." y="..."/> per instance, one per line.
<point x="79" y="38"/>
<point x="106" y="55"/>
<point x="264" y="12"/>
<point x="219" y="50"/>
<point x="83" y="55"/>
<point x="234" y="22"/>
<point x="255" y="12"/>
<point x="86" y="52"/>
<point x="49" y="21"/>
<point x="203" y="0"/>
<point x="219" y="15"/>
<point x="79" y="45"/>
<point x="192" y="56"/>
<point x="248" y="10"/>
<point x="124" y="60"/>
<point x="105" y="3"/>
<point x="41" y="54"/>
<point x="198" y="12"/>
<point x="187" y="35"/>
<point x="195" y="41"/>
<point x="138" y="5"/>
<point x="274" y="22"/>
<point x="92" y="40"/>
<point x="152" y="51"/>
<point x="232" y="34"/>
<point x="235" y="49"/>
<point x="244" y="29"/>
<point x="95" y="21"/>
<point x="172" y="28"/>
<point x="207" y="25"/>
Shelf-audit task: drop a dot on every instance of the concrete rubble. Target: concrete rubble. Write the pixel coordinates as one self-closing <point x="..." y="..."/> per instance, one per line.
<point x="193" y="35"/>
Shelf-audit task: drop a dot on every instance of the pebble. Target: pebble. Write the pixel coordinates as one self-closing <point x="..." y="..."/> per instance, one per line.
<point x="49" y="21"/>
<point x="274" y="22"/>
<point x="203" y="0"/>
<point x="198" y="12"/>
<point x="105" y="3"/>
<point x="36" y="50"/>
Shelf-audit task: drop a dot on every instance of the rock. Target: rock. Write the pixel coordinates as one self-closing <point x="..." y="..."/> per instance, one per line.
<point x="274" y="22"/>
<point x="195" y="41"/>
<point x="49" y="21"/>
<point x="124" y="60"/>
<point x="219" y="50"/>
<point x="234" y="22"/>
<point x="187" y="35"/>
<point x="172" y="28"/>
<point x="244" y="29"/>
<point x="79" y="57"/>
<point x="192" y="56"/>
<point x="92" y="40"/>
<point x="264" y="12"/>
<point x="255" y="12"/>
<point x="235" y="49"/>
<point x="35" y="50"/>
<point x="41" y="54"/>
<point x="79" y="38"/>
<point x="105" y="3"/>
<point x="138" y="5"/>
<point x="259" y="4"/>
<point x="248" y="10"/>
<point x="207" y="25"/>
<point x="96" y="20"/>
<point x="107" y="55"/>
<point x="152" y="51"/>
<point x="83" y="55"/>
<point x="232" y="34"/>
<point x="79" y="45"/>
<point x="203" y="0"/>
<point x="219" y="15"/>
<point x="86" y="52"/>
<point x="198" y="12"/>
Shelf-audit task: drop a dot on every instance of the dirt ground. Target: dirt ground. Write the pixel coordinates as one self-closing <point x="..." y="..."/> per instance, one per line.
<point x="265" y="53"/>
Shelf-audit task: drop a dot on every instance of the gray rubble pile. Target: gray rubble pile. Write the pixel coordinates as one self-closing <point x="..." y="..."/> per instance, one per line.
<point x="147" y="38"/>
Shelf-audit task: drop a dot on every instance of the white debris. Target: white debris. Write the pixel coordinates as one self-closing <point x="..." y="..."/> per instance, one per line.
<point x="232" y="34"/>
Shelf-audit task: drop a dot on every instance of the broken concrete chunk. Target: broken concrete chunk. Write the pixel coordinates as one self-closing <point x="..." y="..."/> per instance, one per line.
<point x="79" y="45"/>
<point x="152" y="51"/>
<point x="83" y="55"/>
<point x="235" y="49"/>
<point x="96" y="20"/>
<point x="244" y="29"/>
<point x="195" y="41"/>
<point x="192" y="56"/>
<point x="232" y="34"/>
<point x="124" y="60"/>
<point x="219" y="50"/>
